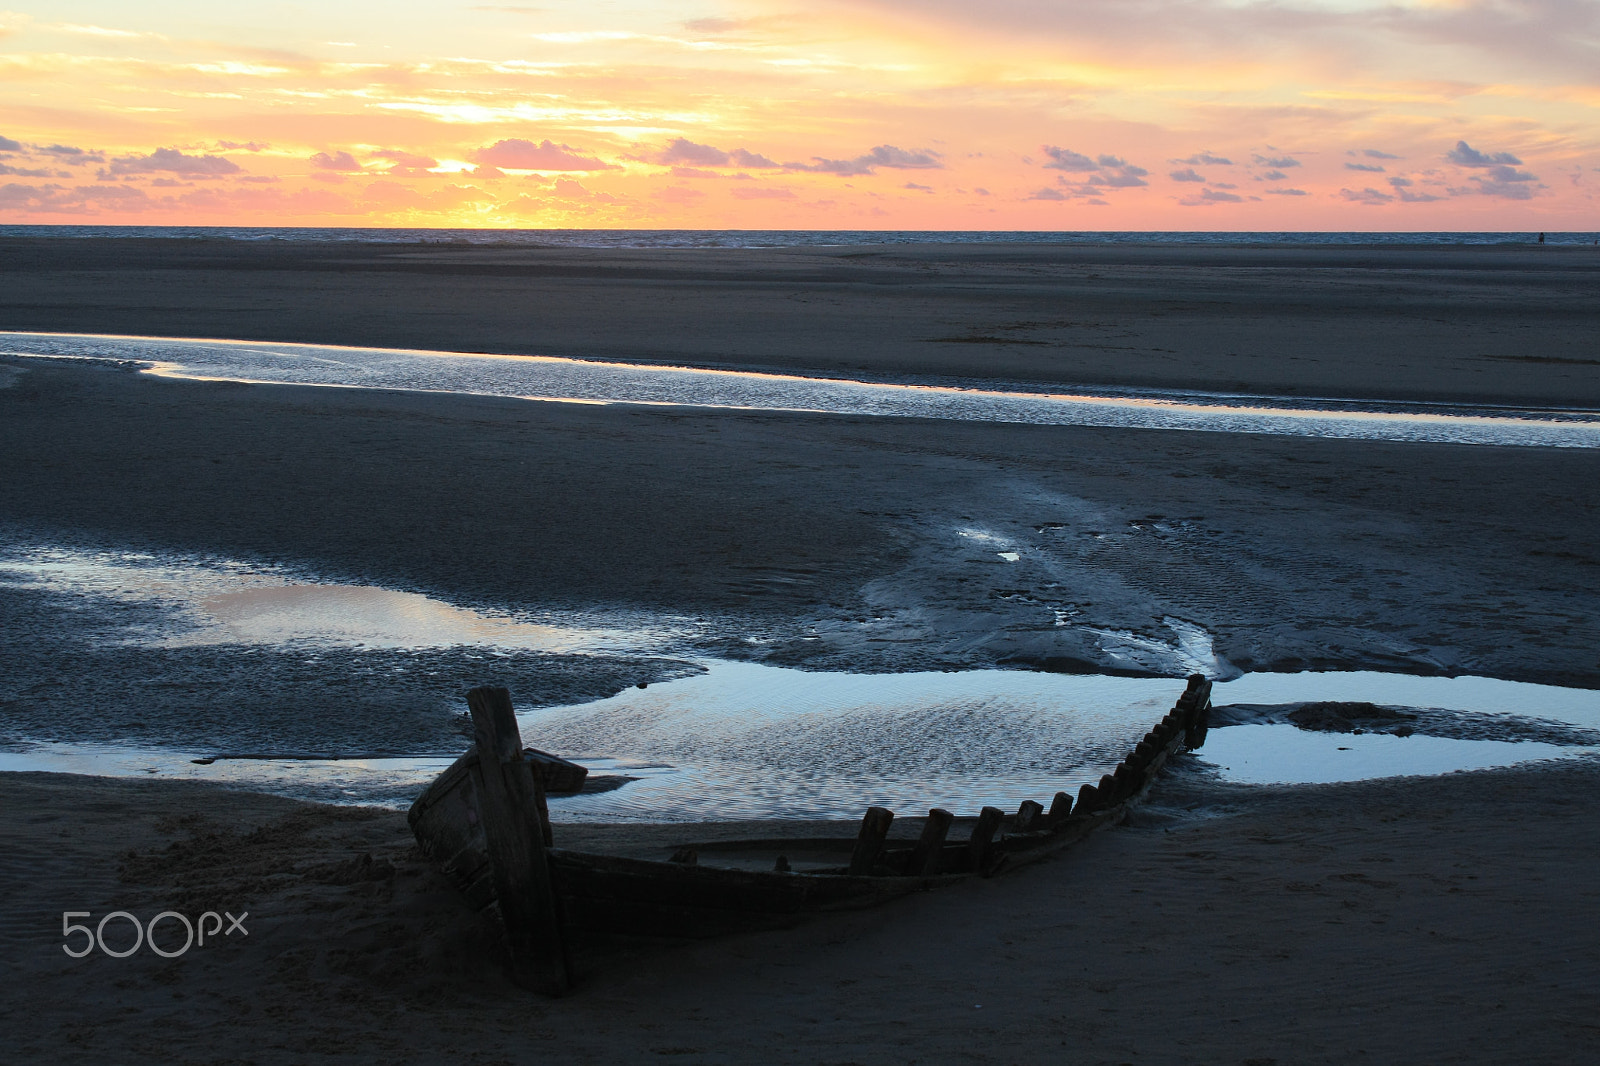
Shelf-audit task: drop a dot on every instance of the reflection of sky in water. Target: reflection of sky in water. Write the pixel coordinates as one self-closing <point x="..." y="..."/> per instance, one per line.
<point x="225" y="602"/>
<point x="751" y="741"/>
<point x="744" y="740"/>
<point x="571" y="380"/>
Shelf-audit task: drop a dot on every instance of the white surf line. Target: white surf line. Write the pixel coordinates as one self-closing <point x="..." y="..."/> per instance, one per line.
<point x="557" y="379"/>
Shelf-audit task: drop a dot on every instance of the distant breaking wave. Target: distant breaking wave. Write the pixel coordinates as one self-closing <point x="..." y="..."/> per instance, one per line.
<point x="562" y="380"/>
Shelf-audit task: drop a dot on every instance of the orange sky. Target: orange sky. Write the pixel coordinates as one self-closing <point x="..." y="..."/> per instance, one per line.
<point x="870" y="114"/>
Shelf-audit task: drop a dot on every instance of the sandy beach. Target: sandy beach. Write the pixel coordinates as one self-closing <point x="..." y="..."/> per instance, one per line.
<point x="1432" y="920"/>
<point x="1420" y="919"/>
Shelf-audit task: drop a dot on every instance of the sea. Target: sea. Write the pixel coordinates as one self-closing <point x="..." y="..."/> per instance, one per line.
<point x="734" y="238"/>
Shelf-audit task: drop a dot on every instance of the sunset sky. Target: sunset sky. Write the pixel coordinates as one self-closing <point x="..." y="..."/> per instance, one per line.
<point x="868" y="114"/>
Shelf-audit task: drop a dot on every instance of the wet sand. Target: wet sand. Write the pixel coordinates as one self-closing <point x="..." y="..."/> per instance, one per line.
<point x="1430" y="920"/>
<point x="1441" y="920"/>
<point x="1506" y="324"/>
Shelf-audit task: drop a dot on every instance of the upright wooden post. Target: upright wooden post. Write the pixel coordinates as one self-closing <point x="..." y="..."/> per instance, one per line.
<point x="869" y="842"/>
<point x="926" y="856"/>
<point x="1027" y="817"/>
<point x="515" y="835"/>
<point x="1060" y="809"/>
<point x="1198" y="720"/>
<point x="983" y="832"/>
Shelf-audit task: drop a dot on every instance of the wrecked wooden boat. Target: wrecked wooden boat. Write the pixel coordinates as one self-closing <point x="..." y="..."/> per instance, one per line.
<point x="485" y="822"/>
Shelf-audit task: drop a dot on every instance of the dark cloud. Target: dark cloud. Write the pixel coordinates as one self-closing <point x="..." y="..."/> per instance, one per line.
<point x="1205" y="159"/>
<point x="1185" y="175"/>
<point x="242" y="146"/>
<point x="1403" y="189"/>
<point x="336" y="161"/>
<point x="1103" y="172"/>
<point x="172" y="161"/>
<point x="1048" y="193"/>
<point x="8" y="145"/>
<point x="1370" y="168"/>
<point x="259" y="179"/>
<point x="1368" y="197"/>
<point x="1207" y="197"/>
<point x="517" y="154"/>
<point x="1507" y="182"/>
<point x="1373" y="153"/>
<point x="1067" y="159"/>
<point x="66" y="153"/>
<point x="1278" y="162"/>
<point x="1274" y="175"/>
<point x="884" y="155"/>
<point x="32" y="172"/>
<point x="1285" y="192"/>
<point x="680" y="150"/>
<point x="917" y="188"/>
<point x="683" y="152"/>
<point x="1464" y="155"/>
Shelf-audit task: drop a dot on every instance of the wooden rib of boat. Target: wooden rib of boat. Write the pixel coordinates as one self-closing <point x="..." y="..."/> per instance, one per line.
<point x="486" y="824"/>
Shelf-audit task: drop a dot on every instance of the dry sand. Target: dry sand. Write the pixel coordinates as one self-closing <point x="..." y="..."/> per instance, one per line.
<point x="1442" y="920"/>
<point x="1418" y="920"/>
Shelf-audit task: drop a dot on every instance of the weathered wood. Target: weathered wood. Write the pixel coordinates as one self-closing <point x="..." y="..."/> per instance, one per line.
<point x="1060" y="809"/>
<point x="925" y="856"/>
<point x="1088" y="800"/>
<point x="869" y="842"/>
<point x="982" y="841"/>
<point x="1027" y="818"/>
<point x="1199" y="720"/>
<point x="515" y="836"/>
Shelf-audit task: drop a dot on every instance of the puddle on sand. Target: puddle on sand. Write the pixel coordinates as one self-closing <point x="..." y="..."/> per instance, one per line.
<point x="749" y="741"/>
<point x="208" y="602"/>
<point x="1285" y="754"/>
<point x="586" y="381"/>
<point x="383" y="782"/>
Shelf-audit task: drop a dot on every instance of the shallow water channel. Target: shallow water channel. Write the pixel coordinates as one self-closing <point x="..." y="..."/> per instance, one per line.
<point x="588" y="381"/>
<point x="744" y="739"/>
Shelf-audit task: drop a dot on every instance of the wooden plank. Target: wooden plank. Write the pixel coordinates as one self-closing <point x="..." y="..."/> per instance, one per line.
<point x="925" y="856"/>
<point x="1028" y="817"/>
<point x="982" y="840"/>
<point x="515" y="834"/>
<point x="869" y="842"/>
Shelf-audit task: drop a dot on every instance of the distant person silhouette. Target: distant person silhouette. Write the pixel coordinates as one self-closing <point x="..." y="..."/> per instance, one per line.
<point x="1541" y="238"/>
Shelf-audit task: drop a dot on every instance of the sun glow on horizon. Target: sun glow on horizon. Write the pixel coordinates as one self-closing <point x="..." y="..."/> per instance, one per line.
<point x="874" y="114"/>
